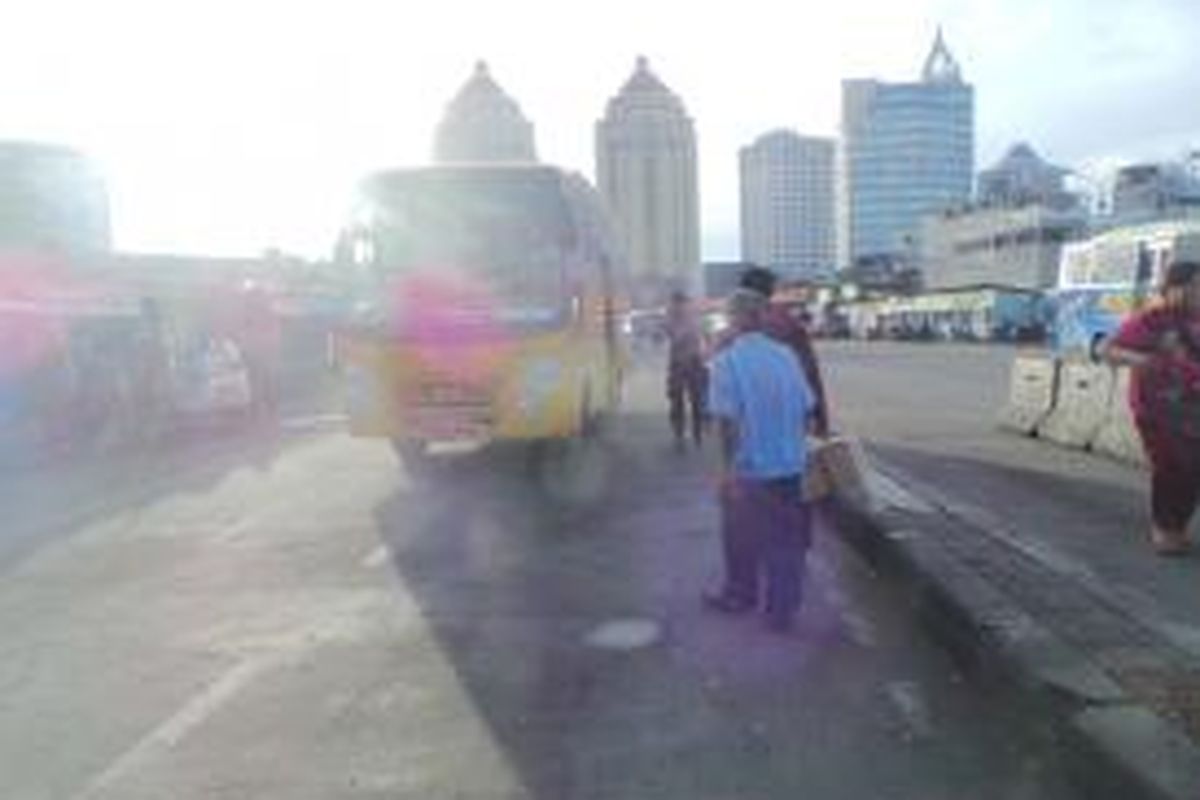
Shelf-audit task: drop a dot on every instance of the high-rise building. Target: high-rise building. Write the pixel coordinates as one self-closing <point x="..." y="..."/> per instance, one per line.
<point x="1023" y="178"/>
<point x="787" y="204"/>
<point x="482" y="123"/>
<point x="1191" y="163"/>
<point x="1149" y="192"/>
<point x="1012" y="236"/>
<point x="907" y="150"/>
<point x="646" y="173"/>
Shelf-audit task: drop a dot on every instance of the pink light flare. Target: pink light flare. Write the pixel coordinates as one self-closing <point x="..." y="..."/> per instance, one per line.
<point x="442" y="311"/>
<point x="36" y="296"/>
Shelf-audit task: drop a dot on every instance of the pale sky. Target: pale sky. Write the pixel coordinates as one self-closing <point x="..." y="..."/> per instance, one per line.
<point x="229" y="126"/>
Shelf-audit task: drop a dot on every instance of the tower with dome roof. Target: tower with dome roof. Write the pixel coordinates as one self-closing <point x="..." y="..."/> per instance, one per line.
<point x="646" y="173"/>
<point x="482" y="123"/>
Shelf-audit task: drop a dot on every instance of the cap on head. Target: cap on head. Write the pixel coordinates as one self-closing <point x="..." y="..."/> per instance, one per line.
<point x="746" y="308"/>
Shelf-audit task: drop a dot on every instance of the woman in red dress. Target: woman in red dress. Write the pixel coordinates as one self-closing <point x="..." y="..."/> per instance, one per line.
<point x="1162" y="346"/>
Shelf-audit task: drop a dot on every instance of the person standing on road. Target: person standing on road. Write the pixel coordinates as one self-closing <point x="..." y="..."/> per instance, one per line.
<point x="787" y="329"/>
<point x="1162" y="346"/>
<point x="687" y="374"/>
<point x="258" y="340"/>
<point x="762" y="404"/>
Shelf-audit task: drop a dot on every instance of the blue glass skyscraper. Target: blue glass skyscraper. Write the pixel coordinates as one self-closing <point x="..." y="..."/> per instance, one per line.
<point x="907" y="150"/>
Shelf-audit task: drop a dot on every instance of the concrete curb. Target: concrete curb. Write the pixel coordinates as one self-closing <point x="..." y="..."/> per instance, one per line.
<point x="1112" y="745"/>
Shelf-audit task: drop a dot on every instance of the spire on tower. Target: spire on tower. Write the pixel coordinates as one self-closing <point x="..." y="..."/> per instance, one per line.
<point x="940" y="64"/>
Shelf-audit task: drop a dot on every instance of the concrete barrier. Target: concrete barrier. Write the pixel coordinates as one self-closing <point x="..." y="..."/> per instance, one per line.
<point x="1084" y="397"/>
<point x="1033" y="388"/>
<point x="1118" y="437"/>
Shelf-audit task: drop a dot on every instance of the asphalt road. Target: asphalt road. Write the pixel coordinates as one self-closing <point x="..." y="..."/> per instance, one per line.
<point x="917" y="393"/>
<point x="1060" y="532"/>
<point x="306" y="621"/>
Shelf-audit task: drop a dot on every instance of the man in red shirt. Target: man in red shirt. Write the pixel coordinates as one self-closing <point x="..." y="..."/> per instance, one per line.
<point x="785" y="328"/>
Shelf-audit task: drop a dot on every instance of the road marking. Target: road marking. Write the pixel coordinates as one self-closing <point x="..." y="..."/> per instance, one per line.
<point x="902" y="534"/>
<point x="624" y="634"/>
<point x="909" y="700"/>
<point x="169" y="733"/>
<point x="376" y="558"/>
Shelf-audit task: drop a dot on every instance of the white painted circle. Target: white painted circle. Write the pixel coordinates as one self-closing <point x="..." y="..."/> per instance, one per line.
<point x="625" y="634"/>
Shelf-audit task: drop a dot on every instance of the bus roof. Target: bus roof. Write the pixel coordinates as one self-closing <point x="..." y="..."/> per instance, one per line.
<point x="1147" y="230"/>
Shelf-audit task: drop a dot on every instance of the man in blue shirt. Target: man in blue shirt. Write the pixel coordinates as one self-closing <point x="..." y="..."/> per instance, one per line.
<point x="761" y="402"/>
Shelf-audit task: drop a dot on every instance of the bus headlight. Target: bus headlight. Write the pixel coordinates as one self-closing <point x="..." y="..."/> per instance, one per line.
<point x="539" y="380"/>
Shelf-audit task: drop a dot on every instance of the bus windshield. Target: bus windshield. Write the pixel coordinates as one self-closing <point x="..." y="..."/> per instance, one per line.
<point x="507" y="231"/>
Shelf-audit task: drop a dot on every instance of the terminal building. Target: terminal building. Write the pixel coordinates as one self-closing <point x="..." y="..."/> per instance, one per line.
<point x="1153" y="192"/>
<point x="1018" y="247"/>
<point x="1012" y="235"/>
<point x="970" y="313"/>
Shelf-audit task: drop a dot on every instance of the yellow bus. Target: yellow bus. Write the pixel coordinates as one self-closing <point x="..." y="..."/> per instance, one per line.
<point x="490" y="304"/>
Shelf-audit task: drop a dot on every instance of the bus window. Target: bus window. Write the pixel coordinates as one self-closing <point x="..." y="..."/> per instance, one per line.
<point x="1116" y="264"/>
<point x="1145" y="265"/>
<point x="510" y="232"/>
<point x="1076" y="266"/>
<point x="1162" y="259"/>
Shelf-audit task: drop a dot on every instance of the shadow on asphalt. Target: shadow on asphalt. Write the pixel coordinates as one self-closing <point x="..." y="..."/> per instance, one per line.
<point x="511" y="584"/>
<point x="511" y="579"/>
<point x="63" y="497"/>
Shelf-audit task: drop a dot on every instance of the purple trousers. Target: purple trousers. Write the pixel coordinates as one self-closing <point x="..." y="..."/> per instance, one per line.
<point x="766" y="531"/>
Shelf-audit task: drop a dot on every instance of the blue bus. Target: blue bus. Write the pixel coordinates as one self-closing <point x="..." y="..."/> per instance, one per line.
<point x="1104" y="278"/>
